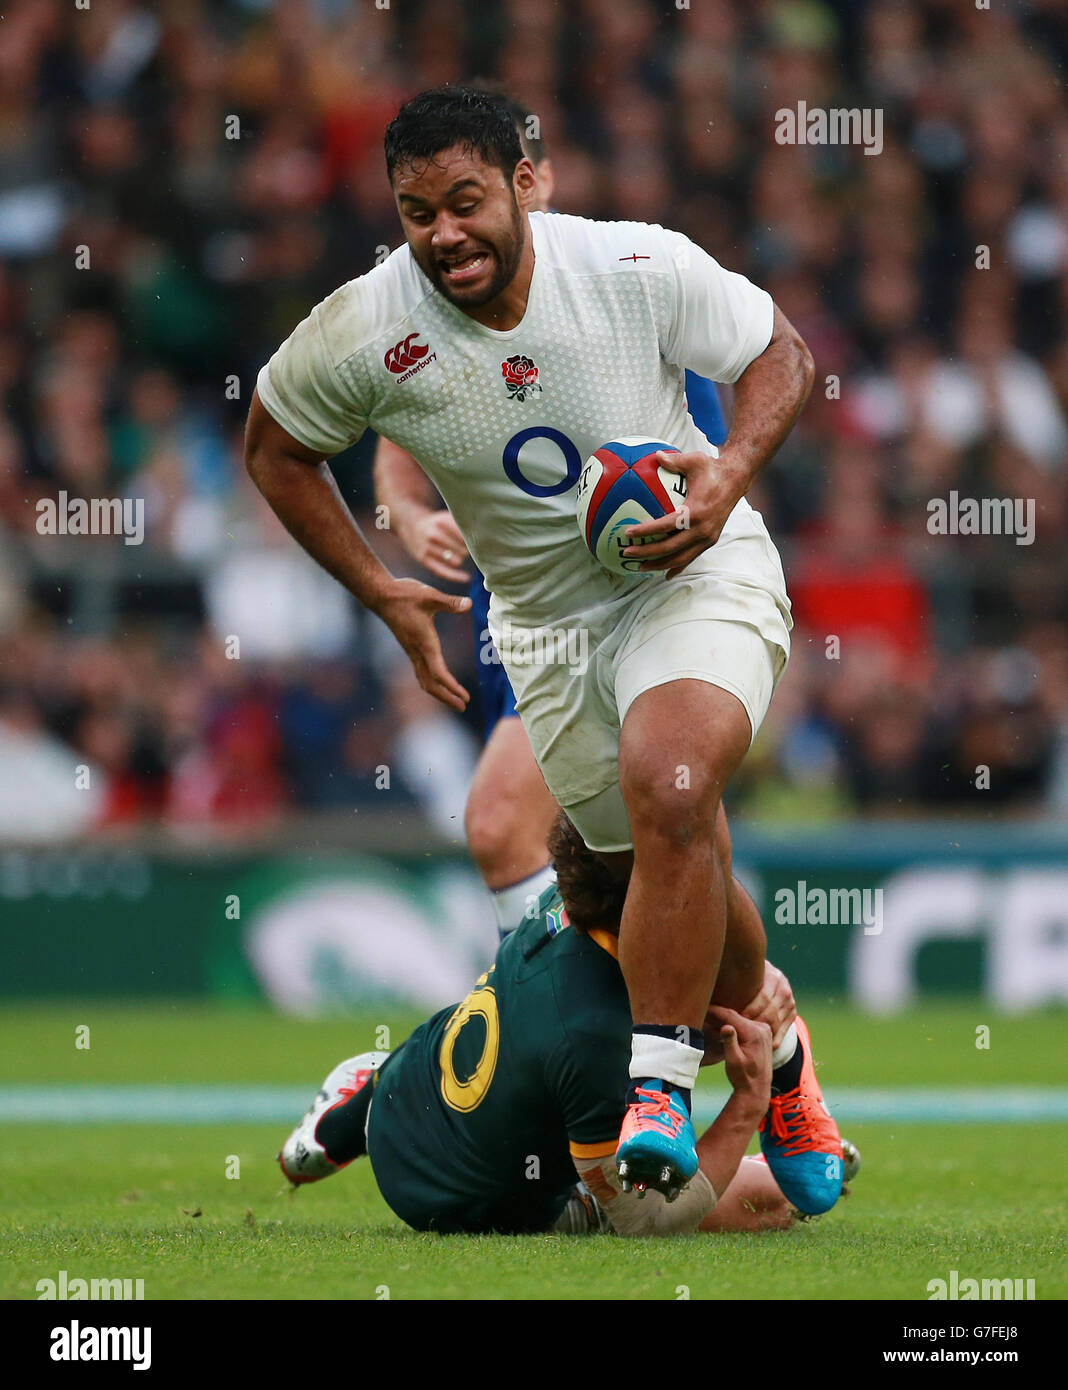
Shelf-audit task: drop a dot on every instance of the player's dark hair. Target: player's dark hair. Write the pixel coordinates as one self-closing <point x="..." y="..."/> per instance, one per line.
<point x="479" y="121"/>
<point x="592" y="893"/>
<point x="533" y="146"/>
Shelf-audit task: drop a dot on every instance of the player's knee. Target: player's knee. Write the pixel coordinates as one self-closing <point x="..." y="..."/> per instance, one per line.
<point x="677" y="811"/>
<point x="495" y="828"/>
<point x="486" y="834"/>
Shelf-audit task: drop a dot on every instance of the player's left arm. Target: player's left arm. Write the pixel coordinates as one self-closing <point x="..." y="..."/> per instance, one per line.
<point x="753" y="1201"/>
<point x="768" y="397"/>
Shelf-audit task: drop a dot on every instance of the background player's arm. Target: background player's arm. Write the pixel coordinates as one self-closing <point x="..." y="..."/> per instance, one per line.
<point x="416" y="517"/>
<point x="301" y="491"/>
<point x="720" y="1150"/>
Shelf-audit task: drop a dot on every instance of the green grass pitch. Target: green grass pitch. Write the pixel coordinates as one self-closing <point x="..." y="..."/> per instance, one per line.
<point x="154" y="1201"/>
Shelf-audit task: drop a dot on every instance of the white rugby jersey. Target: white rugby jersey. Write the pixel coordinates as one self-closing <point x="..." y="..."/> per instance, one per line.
<point x="503" y="422"/>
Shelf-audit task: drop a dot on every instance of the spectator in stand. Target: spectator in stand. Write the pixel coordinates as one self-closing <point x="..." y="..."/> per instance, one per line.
<point x="214" y="217"/>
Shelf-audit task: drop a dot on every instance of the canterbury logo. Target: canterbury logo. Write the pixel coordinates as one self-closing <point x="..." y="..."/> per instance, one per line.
<point x="406" y="354"/>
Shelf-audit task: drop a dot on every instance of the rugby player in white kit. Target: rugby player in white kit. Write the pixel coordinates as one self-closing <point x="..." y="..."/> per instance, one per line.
<point x="501" y="347"/>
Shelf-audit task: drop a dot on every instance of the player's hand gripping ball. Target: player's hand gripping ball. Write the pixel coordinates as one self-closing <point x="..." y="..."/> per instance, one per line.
<point x="623" y="485"/>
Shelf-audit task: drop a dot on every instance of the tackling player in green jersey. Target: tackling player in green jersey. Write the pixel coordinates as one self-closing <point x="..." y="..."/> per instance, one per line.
<point x="484" y="1117"/>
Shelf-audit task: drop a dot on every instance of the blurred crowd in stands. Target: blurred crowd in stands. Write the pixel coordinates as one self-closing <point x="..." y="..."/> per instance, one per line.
<point x="181" y="181"/>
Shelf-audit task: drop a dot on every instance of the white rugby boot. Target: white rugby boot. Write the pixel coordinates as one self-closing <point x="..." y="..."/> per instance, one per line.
<point x="303" y="1158"/>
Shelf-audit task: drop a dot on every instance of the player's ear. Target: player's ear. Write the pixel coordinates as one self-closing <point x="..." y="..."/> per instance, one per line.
<point x="525" y="184"/>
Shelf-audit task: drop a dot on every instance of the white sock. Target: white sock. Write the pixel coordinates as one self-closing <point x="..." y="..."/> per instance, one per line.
<point x="786" y="1049"/>
<point x="664" y="1059"/>
<point x="516" y="902"/>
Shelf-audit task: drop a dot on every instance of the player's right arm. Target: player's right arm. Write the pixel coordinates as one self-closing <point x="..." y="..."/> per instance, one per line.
<point x="774" y="1005"/>
<point x="415" y="515"/>
<point x="746" y="1047"/>
<point x="294" y="479"/>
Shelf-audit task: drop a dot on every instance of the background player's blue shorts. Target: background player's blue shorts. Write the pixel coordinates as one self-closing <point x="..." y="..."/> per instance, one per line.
<point x="498" y="697"/>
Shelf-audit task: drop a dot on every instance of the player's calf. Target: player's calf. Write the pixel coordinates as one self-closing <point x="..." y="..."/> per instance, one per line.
<point x="669" y="965"/>
<point x="507" y="821"/>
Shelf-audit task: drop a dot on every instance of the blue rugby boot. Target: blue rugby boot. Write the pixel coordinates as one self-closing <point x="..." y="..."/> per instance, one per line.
<point x="657" y="1144"/>
<point x="801" y="1142"/>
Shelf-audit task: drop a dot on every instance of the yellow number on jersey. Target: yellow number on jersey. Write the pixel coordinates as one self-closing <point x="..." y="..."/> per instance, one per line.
<point x="469" y="1095"/>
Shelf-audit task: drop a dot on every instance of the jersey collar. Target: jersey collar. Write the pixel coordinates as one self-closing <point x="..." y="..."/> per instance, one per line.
<point x="502" y="335"/>
<point x="605" y="940"/>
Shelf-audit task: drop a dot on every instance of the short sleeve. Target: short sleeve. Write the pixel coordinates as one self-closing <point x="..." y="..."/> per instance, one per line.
<point x="718" y="321"/>
<point x="587" y="1072"/>
<point x="301" y="389"/>
<point x="590" y="1088"/>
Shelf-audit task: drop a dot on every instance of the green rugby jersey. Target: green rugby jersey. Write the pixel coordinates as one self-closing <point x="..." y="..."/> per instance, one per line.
<point x="476" y="1116"/>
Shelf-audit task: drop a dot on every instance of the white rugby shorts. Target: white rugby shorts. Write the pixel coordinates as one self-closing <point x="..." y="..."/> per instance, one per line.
<point x="725" y="620"/>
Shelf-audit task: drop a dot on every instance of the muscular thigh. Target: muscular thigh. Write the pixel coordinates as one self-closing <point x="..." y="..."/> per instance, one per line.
<point x="673" y="686"/>
<point x="681" y="741"/>
<point x="679" y="744"/>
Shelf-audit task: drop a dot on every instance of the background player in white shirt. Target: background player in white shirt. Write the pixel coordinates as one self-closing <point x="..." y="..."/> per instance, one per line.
<point x="638" y="743"/>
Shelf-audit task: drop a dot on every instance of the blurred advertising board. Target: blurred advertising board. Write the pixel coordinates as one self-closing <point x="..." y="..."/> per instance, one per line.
<point x="882" y="914"/>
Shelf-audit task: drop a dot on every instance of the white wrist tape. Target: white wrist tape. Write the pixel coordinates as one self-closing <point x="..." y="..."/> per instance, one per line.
<point x="653" y="1214"/>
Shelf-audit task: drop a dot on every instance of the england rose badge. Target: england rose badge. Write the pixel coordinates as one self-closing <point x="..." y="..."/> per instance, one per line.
<point x="520" y="376"/>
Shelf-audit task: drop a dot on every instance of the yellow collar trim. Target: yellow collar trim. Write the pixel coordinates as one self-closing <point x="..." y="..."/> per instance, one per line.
<point x="605" y="940"/>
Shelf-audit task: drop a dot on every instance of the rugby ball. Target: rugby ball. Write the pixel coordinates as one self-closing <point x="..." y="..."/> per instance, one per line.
<point x="622" y="485"/>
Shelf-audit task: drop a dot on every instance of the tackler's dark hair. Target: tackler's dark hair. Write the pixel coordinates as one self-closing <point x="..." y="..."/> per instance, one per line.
<point x="592" y="893"/>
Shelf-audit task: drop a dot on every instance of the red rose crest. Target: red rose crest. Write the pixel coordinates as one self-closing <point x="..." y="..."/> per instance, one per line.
<point x="521" y="377"/>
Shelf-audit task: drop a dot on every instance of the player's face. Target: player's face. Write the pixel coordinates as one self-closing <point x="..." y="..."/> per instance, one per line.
<point x="465" y="222"/>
